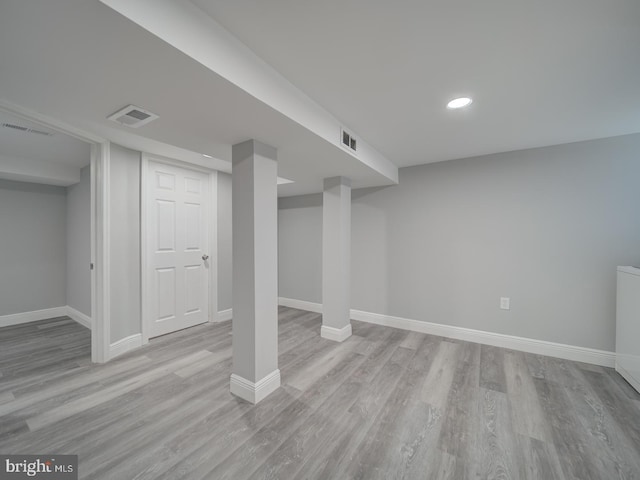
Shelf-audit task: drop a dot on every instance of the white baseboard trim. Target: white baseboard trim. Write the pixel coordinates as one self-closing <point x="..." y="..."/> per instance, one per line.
<point x="529" y="345"/>
<point x="254" y="392"/>
<point x="628" y="377"/>
<point x="224" y="315"/>
<point x="26" y="317"/>
<point x="300" y="304"/>
<point x="79" y="317"/>
<point x="125" y="345"/>
<point x="335" y="334"/>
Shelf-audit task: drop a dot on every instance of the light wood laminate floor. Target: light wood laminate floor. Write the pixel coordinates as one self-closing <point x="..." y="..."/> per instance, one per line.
<point x="384" y="404"/>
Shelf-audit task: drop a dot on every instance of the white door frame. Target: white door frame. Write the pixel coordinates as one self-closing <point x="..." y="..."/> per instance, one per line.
<point x="212" y="234"/>
<point x="100" y="292"/>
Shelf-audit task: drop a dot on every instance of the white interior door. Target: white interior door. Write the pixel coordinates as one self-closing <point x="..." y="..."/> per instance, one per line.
<point x="177" y="248"/>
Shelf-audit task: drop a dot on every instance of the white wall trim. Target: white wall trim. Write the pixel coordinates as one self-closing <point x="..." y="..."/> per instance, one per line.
<point x="100" y="252"/>
<point x="33" y="316"/>
<point x="335" y="334"/>
<point x="300" y="304"/>
<point x="628" y="377"/>
<point x="224" y="315"/>
<point x="125" y="345"/>
<point x="78" y="316"/>
<point x="144" y="283"/>
<point x="254" y="392"/>
<point x="529" y="345"/>
<point x="213" y="245"/>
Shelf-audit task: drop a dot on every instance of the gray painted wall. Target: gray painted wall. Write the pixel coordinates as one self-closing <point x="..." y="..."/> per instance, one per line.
<point x="125" y="243"/>
<point x="546" y="227"/>
<point x="79" y="243"/>
<point x="300" y="247"/>
<point x="32" y="247"/>
<point x="225" y="251"/>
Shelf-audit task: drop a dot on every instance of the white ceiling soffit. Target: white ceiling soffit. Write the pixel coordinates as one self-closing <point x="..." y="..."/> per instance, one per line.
<point x="49" y="146"/>
<point x="38" y="171"/>
<point x="184" y="26"/>
<point x="539" y="72"/>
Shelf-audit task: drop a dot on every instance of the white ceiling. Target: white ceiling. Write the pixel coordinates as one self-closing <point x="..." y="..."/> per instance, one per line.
<point x="57" y="149"/>
<point x="78" y="61"/>
<point x="540" y="72"/>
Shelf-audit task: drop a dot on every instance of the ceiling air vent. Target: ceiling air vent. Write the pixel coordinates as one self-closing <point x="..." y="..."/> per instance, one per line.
<point x="132" y="116"/>
<point x="348" y="140"/>
<point x="20" y="128"/>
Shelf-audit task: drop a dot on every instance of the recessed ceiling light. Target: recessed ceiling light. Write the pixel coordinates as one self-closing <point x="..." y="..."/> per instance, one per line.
<point x="206" y="156"/>
<point x="459" y="102"/>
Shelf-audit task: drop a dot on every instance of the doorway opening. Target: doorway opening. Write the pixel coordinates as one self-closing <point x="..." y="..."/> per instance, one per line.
<point x="50" y="209"/>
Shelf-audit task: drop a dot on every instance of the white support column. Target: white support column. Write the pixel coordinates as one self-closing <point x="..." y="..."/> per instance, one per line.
<point x="255" y="271"/>
<point x="336" y="259"/>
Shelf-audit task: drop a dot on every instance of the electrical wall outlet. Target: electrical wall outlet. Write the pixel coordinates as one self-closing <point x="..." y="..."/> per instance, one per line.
<point x="505" y="303"/>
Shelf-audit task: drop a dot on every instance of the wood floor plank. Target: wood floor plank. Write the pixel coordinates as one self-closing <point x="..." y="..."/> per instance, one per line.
<point x="457" y="433"/>
<point x="6" y="398"/>
<point x="310" y="373"/>
<point x="71" y="408"/>
<point x="385" y="404"/>
<point x="622" y="385"/>
<point x="197" y="463"/>
<point x="324" y="424"/>
<point x="323" y="398"/>
<point x="413" y="340"/>
<point x="439" y="377"/>
<point x="492" y="376"/>
<point x="540" y="459"/>
<point x="604" y="434"/>
<point x="495" y="453"/>
<point x="524" y="405"/>
<point x="568" y="435"/>
<point x="361" y="416"/>
<point x="621" y="409"/>
<point x="401" y="440"/>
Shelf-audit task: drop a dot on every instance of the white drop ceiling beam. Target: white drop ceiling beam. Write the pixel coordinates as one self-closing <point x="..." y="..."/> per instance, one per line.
<point x="190" y="30"/>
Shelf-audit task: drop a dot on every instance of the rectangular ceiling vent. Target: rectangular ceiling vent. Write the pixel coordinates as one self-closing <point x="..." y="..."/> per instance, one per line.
<point x="348" y="140"/>
<point x="132" y="116"/>
<point x="20" y="128"/>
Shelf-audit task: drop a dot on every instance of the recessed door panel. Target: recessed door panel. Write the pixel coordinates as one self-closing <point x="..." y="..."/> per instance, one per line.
<point x="193" y="287"/>
<point x="166" y="222"/>
<point x="192" y="227"/>
<point x="192" y="185"/>
<point x="165" y="181"/>
<point x="166" y="289"/>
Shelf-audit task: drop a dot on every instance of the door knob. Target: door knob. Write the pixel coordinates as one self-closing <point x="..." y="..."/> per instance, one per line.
<point x="205" y="257"/>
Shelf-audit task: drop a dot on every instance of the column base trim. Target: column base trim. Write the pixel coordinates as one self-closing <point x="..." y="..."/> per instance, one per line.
<point x="224" y="315"/>
<point x="125" y="345"/>
<point x="254" y="392"/>
<point x="335" y="334"/>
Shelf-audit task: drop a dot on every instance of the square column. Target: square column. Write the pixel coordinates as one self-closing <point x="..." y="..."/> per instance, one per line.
<point x="255" y="271"/>
<point x="336" y="259"/>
